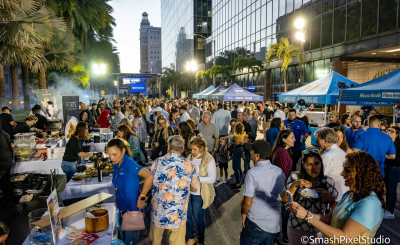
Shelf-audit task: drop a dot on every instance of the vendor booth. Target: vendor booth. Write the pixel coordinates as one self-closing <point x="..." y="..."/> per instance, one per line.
<point x="208" y="95"/>
<point x="236" y="93"/>
<point x="209" y="89"/>
<point x="383" y="90"/>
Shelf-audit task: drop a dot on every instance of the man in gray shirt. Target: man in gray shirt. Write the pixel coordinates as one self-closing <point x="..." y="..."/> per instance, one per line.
<point x="210" y="133"/>
<point x="116" y="119"/>
<point x="222" y="118"/>
<point x="261" y="207"/>
<point x="194" y="113"/>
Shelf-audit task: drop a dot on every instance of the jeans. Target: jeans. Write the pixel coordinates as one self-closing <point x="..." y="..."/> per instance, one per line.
<point x="254" y="235"/>
<point x="392" y="178"/>
<point x="143" y="149"/>
<point x="130" y="237"/>
<point x="285" y="219"/>
<point x="195" y="209"/>
<point x="236" y="164"/>
<point x="296" y="155"/>
<point x="246" y="162"/>
<point x="69" y="168"/>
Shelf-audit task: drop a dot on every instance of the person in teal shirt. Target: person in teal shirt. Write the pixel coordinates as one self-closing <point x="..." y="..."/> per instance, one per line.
<point x="127" y="134"/>
<point x="272" y="133"/>
<point x="359" y="213"/>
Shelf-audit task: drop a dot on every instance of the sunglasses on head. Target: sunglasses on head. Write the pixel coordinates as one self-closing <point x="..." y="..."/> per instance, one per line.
<point x="310" y="150"/>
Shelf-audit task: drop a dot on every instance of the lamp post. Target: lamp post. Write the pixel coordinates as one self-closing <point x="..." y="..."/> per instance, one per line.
<point x="116" y="84"/>
<point x="299" y="25"/>
<point x="98" y="69"/>
<point x="213" y="53"/>
<point x="191" y="67"/>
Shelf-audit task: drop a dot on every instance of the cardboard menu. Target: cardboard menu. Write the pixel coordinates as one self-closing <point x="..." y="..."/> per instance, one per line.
<point x="54" y="211"/>
<point x="75" y="208"/>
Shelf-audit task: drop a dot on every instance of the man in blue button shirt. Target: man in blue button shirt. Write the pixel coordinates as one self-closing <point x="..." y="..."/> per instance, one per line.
<point x="354" y="130"/>
<point x="376" y="143"/>
<point x="261" y="206"/>
<point x="300" y="132"/>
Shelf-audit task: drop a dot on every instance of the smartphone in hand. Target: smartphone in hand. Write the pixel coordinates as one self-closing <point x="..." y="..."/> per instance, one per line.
<point x="289" y="196"/>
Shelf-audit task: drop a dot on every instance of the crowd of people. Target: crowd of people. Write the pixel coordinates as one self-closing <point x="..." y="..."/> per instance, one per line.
<point x="354" y="171"/>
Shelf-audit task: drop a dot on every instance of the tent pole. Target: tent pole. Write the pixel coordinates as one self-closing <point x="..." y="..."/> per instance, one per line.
<point x="325" y="114"/>
<point x="339" y="106"/>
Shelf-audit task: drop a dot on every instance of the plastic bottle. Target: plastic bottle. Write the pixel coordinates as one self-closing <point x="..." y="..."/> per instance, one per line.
<point x="49" y="152"/>
<point x="114" y="235"/>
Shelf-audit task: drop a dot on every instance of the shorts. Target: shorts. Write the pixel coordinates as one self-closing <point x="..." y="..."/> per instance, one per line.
<point x="223" y="165"/>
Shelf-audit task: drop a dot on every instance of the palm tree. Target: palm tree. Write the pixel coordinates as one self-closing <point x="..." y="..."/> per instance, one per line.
<point x="285" y="51"/>
<point x="22" y="27"/>
<point x="252" y="65"/>
<point x="214" y="71"/>
<point x="201" y="78"/>
<point x="170" y="77"/>
<point x="226" y="72"/>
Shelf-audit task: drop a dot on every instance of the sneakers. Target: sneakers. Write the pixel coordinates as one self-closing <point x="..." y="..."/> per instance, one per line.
<point x="226" y="181"/>
<point x="388" y="215"/>
<point x="219" y="179"/>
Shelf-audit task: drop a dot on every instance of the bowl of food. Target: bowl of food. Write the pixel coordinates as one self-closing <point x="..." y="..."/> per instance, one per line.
<point x="308" y="193"/>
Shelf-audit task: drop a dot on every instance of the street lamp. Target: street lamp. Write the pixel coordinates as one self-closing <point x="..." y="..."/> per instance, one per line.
<point x="299" y="24"/>
<point x="213" y="53"/>
<point x="191" y="66"/>
<point x="116" y="84"/>
<point x="99" y="69"/>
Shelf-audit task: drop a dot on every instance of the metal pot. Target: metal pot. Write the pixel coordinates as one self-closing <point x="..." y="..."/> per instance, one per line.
<point x="54" y="124"/>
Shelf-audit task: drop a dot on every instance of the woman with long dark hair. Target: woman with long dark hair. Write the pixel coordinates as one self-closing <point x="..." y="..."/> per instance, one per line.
<point x="127" y="134"/>
<point x="126" y="183"/>
<point x="73" y="150"/>
<point x="173" y="120"/>
<point x="345" y="120"/>
<point x="392" y="174"/>
<point x="311" y="175"/>
<point x="276" y="126"/>
<point x="360" y="211"/>
<point x="281" y="151"/>
<point x="341" y="140"/>
<point x="187" y="133"/>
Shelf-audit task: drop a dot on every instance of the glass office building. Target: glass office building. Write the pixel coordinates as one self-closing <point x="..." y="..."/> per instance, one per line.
<point x="180" y="20"/>
<point x="356" y="38"/>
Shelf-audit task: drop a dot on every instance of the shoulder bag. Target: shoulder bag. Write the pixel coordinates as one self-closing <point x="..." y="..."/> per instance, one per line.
<point x="132" y="220"/>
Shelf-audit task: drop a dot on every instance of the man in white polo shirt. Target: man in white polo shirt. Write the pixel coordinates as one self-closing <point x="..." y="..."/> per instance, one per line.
<point x="278" y="112"/>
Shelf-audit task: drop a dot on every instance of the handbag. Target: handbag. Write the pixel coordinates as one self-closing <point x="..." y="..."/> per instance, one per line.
<point x="132" y="220"/>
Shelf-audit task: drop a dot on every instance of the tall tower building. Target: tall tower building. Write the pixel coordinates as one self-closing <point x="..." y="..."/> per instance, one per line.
<point x="150" y="46"/>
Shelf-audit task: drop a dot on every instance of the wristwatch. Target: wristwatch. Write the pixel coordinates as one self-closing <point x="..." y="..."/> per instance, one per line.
<point x="142" y="198"/>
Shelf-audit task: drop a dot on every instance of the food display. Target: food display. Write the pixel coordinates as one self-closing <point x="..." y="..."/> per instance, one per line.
<point x="308" y="193"/>
<point x="20" y="177"/>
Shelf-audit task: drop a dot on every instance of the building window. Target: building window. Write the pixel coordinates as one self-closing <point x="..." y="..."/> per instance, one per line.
<point x="387" y="15"/>
<point x="369" y="17"/>
<point x="353" y="20"/>
<point x="339" y="24"/>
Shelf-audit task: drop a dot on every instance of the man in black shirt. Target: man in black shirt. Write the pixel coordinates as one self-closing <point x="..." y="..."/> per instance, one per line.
<point x="267" y="115"/>
<point x="94" y="112"/>
<point x="7" y="121"/>
<point x="234" y="113"/>
<point x="42" y="121"/>
<point x="84" y="108"/>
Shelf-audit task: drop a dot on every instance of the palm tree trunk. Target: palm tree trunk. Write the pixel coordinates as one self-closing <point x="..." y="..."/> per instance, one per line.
<point x="42" y="72"/>
<point x="82" y="40"/>
<point x="42" y="79"/>
<point x="25" y="80"/>
<point x="284" y="81"/>
<point x="14" y="80"/>
<point x="2" y="87"/>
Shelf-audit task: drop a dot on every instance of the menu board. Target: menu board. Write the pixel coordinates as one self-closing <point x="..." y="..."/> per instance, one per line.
<point x="55" y="220"/>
